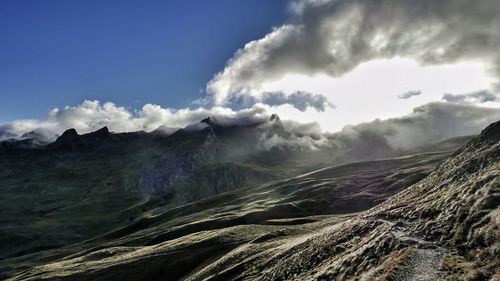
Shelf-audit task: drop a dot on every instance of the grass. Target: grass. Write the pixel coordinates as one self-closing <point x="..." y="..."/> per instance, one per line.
<point x="393" y="264"/>
<point x="89" y="204"/>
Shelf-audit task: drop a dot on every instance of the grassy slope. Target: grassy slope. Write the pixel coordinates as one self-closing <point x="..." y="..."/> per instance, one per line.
<point x="83" y="186"/>
<point x="53" y="198"/>
<point x="237" y="228"/>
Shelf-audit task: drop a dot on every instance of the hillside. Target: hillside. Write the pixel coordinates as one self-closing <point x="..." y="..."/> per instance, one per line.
<point x="110" y="180"/>
<point x="315" y="225"/>
<point x="80" y="186"/>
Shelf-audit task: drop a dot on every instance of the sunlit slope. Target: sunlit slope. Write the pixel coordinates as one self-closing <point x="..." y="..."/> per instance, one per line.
<point x="227" y="233"/>
<point x="446" y="226"/>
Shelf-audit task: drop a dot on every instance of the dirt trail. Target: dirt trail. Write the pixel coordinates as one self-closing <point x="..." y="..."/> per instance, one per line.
<point x="424" y="264"/>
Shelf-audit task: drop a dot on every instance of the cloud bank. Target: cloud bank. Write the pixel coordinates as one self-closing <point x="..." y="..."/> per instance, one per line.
<point x="333" y="37"/>
<point x="428" y="123"/>
<point x="92" y="115"/>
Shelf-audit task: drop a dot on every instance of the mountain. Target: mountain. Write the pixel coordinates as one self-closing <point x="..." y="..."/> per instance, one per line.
<point x="29" y="140"/>
<point x="107" y="179"/>
<point x="444" y="226"/>
<point x="145" y="206"/>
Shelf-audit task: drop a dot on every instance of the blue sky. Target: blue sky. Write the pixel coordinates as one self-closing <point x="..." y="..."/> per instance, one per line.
<point x="55" y="53"/>
<point x="310" y="61"/>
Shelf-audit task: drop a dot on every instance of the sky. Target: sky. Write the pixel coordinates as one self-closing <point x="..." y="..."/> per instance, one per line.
<point x="56" y="53"/>
<point x="400" y="66"/>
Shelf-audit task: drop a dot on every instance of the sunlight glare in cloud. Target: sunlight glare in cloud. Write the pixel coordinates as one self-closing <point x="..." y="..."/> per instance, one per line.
<point x="371" y="90"/>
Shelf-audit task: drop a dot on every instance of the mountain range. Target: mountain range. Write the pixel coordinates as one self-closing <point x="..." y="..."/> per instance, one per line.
<point x="259" y="200"/>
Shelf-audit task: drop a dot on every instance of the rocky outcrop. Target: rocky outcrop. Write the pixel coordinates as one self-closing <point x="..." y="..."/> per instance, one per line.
<point x="71" y="140"/>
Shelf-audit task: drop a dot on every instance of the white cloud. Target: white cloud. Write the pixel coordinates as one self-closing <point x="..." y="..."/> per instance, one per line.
<point x="371" y="90"/>
<point x="360" y="55"/>
<point x="92" y="115"/>
<point x="428" y="123"/>
<point x="399" y="45"/>
<point x="379" y="138"/>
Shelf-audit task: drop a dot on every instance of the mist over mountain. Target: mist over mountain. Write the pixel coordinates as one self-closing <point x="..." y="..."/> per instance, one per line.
<point x="428" y="123"/>
<point x="224" y="194"/>
<point x="247" y="184"/>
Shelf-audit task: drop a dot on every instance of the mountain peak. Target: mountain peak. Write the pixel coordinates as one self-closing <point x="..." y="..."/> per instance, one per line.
<point x="210" y="120"/>
<point x="31" y="135"/>
<point x="69" y="133"/>
<point x="104" y="131"/>
<point x="274" y="117"/>
<point x="67" y="139"/>
<point x="70" y="139"/>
